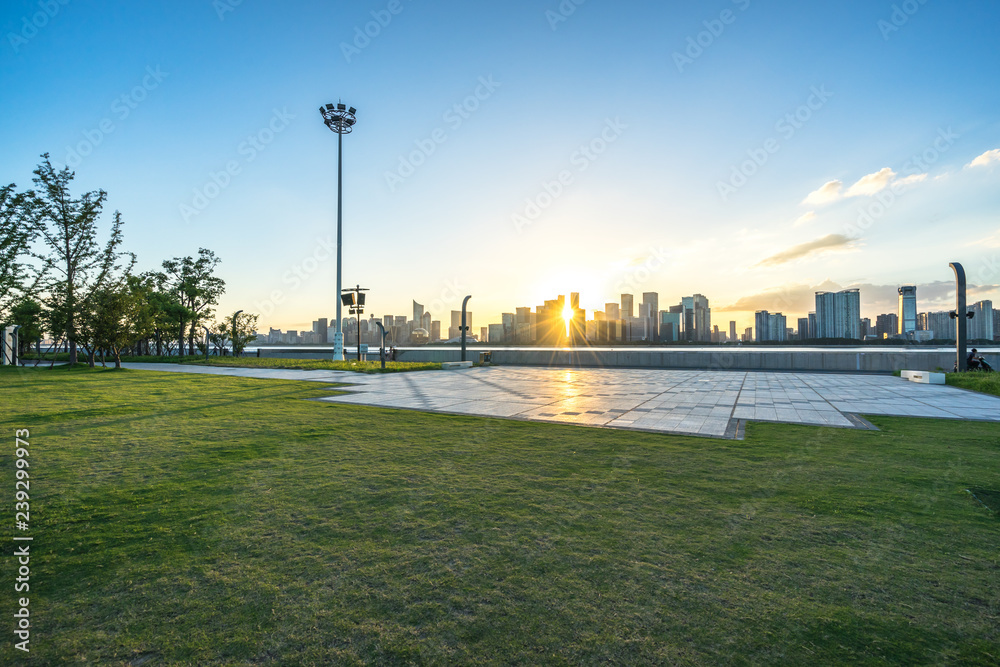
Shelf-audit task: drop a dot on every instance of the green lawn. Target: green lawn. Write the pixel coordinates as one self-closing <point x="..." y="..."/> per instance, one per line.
<point x="210" y="520"/>
<point x="988" y="383"/>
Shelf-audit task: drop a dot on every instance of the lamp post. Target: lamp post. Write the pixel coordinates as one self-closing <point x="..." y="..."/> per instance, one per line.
<point x="235" y="315"/>
<point x="354" y="298"/>
<point x="340" y="119"/>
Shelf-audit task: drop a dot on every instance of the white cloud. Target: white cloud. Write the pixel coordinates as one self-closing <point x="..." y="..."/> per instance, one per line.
<point x="805" y="218"/>
<point x="828" y="193"/>
<point x="872" y="183"/>
<point x="827" y="243"/>
<point x="986" y="159"/>
<point x="915" y="178"/>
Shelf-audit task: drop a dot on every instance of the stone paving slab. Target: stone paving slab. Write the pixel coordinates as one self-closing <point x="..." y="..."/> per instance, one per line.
<point x="706" y="403"/>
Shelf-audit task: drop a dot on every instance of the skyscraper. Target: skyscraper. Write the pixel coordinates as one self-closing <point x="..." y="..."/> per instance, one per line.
<point x="907" y="310"/>
<point x="770" y="326"/>
<point x="732" y="330"/>
<point x="649" y="309"/>
<point x="627" y="312"/>
<point x="418" y="313"/>
<point x="838" y="314"/>
<point x="981" y="324"/>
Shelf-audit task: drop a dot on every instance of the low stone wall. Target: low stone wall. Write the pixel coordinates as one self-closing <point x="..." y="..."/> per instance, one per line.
<point x="728" y="358"/>
<point x="759" y="359"/>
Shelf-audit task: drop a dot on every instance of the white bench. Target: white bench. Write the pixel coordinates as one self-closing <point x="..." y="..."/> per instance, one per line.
<point x="452" y="365"/>
<point x="923" y="377"/>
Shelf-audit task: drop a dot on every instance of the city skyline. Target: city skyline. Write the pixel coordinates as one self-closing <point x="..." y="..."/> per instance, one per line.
<point x="752" y="153"/>
<point x="562" y="322"/>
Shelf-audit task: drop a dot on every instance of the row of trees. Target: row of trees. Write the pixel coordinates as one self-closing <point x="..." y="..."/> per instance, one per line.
<point x="58" y="278"/>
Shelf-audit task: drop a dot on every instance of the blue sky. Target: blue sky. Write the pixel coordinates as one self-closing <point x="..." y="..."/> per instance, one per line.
<point x="672" y="127"/>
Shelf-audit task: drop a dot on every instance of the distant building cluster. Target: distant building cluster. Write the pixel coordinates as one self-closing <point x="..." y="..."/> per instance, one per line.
<point x="838" y="315"/>
<point x="559" y="322"/>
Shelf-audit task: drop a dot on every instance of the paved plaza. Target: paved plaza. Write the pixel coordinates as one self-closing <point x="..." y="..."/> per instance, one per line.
<point x="706" y="403"/>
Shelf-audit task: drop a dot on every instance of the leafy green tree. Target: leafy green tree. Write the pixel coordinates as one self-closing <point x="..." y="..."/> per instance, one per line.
<point x="116" y="317"/>
<point x="17" y="230"/>
<point x="196" y="287"/>
<point x="244" y="333"/>
<point x="28" y="313"/>
<point x="74" y="263"/>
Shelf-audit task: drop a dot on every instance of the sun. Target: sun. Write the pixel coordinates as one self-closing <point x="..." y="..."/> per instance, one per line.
<point x="568" y="314"/>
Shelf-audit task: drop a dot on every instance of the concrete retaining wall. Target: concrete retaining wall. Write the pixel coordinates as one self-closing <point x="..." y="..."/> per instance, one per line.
<point x="758" y="359"/>
<point x="875" y="361"/>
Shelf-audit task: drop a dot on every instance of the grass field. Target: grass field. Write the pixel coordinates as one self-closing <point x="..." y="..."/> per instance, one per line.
<point x="188" y="519"/>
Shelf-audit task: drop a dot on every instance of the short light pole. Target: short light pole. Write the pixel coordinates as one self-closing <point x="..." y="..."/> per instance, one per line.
<point x="381" y="351"/>
<point x="235" y="315"/>
<point x="354" y="298"/>
<point x="339" y="119"/>
<point x="465" y="328"/>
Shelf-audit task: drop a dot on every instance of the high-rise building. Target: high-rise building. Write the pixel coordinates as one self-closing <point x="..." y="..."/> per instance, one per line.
<point x="732" y="330"/>
<point x="670" y="325"/>
<point x="649" y="310"/>
<point x="435" y="331"/>
<point x="812" y="325"/>
<point x="770" y="326"/>
<point x="866" y="327"/>
<point x="838" y="314"/>
<point x="612" y="311"/>
<point x="507" y="328"/>
<point x="980" y="327"/>
<point x="696" y="318"/>
<point x="803" y="332"/>
<point x="886" y="325"/>
<point x="907" y="310"/>
<point x="761" y="324"/>
<point x="418" y="313"/>
<point x="319" y="328"/>
<point x="627" y="313"/>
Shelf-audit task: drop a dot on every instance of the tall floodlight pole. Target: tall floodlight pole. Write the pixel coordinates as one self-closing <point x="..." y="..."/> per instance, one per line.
<point x="340" y="119"/>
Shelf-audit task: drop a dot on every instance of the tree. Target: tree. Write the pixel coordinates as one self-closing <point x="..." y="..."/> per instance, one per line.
<point x="17" y="230"/>
<point x="75" y="264"/>
<point x="28" y="313"/>
<point x="115" y="318"/>
<point x="244" y="333"/>
<point x="197" y="290"/>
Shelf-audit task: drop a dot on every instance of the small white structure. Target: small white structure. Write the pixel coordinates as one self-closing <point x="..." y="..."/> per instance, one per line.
<point x="923" y="377"/>
<point x="8" y="344"/>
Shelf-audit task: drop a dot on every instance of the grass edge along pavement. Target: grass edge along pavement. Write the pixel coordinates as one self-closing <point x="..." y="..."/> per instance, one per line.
<point x="351" y="365"/>
<point x="218" y="520"/>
